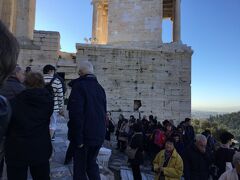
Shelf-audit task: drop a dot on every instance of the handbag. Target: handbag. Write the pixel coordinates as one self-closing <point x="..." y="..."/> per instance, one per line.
<point x="131" y="153"/>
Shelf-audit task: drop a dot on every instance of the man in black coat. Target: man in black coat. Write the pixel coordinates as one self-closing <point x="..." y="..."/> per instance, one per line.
<point x="197" y="160"/>
<point x="86" y="126"/>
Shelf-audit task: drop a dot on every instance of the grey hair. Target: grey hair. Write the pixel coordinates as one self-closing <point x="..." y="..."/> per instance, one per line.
<point x="236" y="158"/>
<point x="200" y="137"/>
<point x="16" y="70"/>
<point x="85" y="67"/>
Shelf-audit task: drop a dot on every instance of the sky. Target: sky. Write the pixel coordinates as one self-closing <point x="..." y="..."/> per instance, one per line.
<point x="210" y="27"/>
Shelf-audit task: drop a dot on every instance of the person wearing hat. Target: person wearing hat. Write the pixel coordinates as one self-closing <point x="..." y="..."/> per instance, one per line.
<point x="233" y="174"/>
<point x="168" y="164"/>
<point x="224" y="155"/>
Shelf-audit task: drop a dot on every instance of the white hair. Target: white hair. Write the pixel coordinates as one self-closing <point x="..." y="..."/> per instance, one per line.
<point x="200" y="138"/>
<point x="236" y="158"/>
<point x="85" y="67"/>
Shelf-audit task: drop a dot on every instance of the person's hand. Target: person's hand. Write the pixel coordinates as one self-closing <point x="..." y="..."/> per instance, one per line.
<point x="80" y="146"/>
<point x="157" y="169"/>
<point x="61" y="112"/>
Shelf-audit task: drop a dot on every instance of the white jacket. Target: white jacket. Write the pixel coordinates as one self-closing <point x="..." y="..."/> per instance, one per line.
<point x="229" y="175"/>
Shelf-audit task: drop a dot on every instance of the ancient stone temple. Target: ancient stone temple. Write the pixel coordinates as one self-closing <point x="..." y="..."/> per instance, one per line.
<point x="130" y="59"/>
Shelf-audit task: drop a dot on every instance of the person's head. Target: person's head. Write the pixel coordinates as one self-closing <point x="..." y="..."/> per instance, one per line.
<point x="85" y="67"/>
<point x="150" y="117"/>
<point x="109" y="113"/>
<point x="9" y="50"/>
<point x="176" y="137"/>
<point x="206" y="133"/>
<point x="132" y="117"/>
<point x="18" y="73"/>
<point x="28" y="69"/>
<point x="121" y="117"/>
<point x="201" y="142"/>
<point x="169" y="127"/>
<point x="34" y="80"/>
<point x="49" y="69"/>
<point x="187" y="121"/>
<point x="165" y="123"/>
<point x="180" y="129"/>
<point x="226" y="138"/>
<point x="137" y="127"/>
<point x="169" y="144"/>
<point x="236" y="161"/>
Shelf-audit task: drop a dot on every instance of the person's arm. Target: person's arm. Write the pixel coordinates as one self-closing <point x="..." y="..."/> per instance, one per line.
<point x="58" y="92"/>
<point x="176" y="171"/>
<point x="76" y="114"/>
<point x="157" y="164"/>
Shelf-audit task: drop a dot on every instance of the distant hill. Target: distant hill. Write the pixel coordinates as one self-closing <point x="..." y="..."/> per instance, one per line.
<point x="217" y="122"/>
<point x="204" y="114"/>
<point x="231" y="121"/>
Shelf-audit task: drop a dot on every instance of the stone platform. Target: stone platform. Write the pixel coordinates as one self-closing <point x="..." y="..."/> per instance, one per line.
<point x="118" y="167"/>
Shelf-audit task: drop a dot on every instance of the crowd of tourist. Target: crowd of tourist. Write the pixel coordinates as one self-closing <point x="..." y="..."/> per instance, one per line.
<point x="175" y="152"/>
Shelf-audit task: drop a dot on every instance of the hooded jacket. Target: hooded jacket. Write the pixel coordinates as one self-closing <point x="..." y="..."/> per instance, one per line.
<point x="28" y="138"/>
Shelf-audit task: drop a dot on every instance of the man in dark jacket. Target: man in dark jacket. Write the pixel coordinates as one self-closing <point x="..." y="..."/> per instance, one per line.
<point x="197" y="160"/>
<point x="87" y="114"/>
<point x="189" y="133"/>
<point x="9" y="50"/>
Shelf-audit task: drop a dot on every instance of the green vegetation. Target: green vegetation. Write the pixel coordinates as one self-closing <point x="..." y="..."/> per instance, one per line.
<point x="219" y="123"/>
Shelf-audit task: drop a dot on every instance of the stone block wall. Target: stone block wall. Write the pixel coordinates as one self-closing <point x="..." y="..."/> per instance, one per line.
<point x="160" y="78"/>
<point x="137" y="21"/>
<point x="44" y="49"/>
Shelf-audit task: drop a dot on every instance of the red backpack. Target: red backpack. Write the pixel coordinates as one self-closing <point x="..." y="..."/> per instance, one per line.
<point x="159" y="138"/>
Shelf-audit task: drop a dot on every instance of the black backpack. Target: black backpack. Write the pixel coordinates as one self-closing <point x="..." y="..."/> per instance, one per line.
<point x="49" y="87"/>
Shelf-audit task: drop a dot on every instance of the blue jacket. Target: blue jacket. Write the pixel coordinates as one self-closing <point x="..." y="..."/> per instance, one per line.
<point x="87" y="112"/>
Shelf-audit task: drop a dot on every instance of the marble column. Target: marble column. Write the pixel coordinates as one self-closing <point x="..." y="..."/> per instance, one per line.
<point x="104" y="32"/>
<point x="1" y="5"/>
<point x="177" y="22"/>
<point x="7" y="13"/>
<point x="94" y="22"/>
<point x="25" y="20"/>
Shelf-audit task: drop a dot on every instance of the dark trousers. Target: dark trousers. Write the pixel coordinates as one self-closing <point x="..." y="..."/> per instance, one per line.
<point x="136" y="171"/>
<point x="69" y="153"/>
<point x="20" y="172"/>
<point x="84" y="163"/>
<point x="1" y="167"/>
